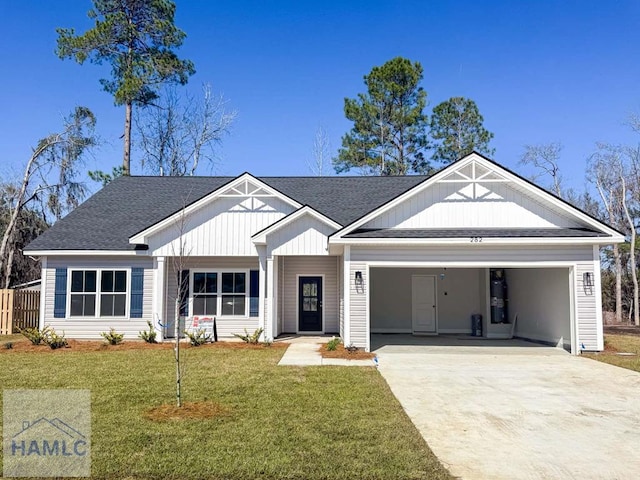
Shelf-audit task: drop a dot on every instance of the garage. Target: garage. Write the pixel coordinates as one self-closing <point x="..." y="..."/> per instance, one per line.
<point x="528" y="303"/>
<point x="475" y="240"/>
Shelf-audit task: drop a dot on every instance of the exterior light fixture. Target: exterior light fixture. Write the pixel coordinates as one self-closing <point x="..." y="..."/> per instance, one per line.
<point x="587" y="279"/>
<point x="359" y="280"/>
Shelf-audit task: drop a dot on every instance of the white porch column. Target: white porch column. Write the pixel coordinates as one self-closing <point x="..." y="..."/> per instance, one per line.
<point x="346" y="285"/>
<point x="158" y="296"/>
<point x="269" y="314"/>
<point x="275" y="330"/>
<point x="262" y="291"/>
<point x="43" y="291"/>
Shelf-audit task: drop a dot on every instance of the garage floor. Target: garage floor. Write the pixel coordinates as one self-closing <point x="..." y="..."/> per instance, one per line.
<point x="511" y="412"/>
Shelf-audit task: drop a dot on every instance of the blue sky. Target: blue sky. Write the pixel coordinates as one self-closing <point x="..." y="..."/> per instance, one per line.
<point x="539" y="71"/>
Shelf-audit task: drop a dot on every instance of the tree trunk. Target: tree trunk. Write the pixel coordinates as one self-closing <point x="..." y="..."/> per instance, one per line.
<point x="176" y="348"/>
<point x="618" y="267"/>
<point x="9" y="268"/>
<point x="634" y="276"/>
<point x="126" y="161"/>
<point x="632" y="252"/>
<point x="20" y="200"/>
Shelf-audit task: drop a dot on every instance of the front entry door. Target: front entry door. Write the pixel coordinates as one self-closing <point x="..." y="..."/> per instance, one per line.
<point x="310" y="304"/>
<point x="423" y="295"/>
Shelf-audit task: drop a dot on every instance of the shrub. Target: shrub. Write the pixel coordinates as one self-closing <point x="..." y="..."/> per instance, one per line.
<point x="148" y="336"/>
<point x="54" y="340"/>
<point x="8" y="345"/>
<point x="35" y="336"/>
<point x="112" y="337"/>
<point x="254" y="338"/>
<point x="332" y="344"/>
<point x="199" y="337"/>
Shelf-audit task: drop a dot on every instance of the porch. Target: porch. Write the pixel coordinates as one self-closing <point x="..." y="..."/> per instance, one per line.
<point x="282" y="294"/>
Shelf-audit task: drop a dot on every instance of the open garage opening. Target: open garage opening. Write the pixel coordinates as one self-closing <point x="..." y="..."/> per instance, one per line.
<point x="526" y="303"/>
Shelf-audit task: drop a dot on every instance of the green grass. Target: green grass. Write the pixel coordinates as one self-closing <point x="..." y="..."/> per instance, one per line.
<point x="615" y="344"/>
<point x="284" y="422"/>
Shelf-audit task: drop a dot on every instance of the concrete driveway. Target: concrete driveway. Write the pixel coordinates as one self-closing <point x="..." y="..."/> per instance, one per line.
<point x="519" y="413"/>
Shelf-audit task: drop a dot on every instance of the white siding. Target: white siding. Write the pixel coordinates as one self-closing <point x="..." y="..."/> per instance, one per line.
<point x="223" y="228"/>
<point x="589" y="332"/>
<point x="358" y="300"/>
<point x="91" y="327"/>
<point x="226" y="326"/>
<point x="304" y="236"/>
<point x="493" y="256"/>
<point x="443" y="206"/>
<point x="311" y="266"/>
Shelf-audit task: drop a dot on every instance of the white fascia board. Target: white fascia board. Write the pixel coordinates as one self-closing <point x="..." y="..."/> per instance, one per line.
<point x="534" y="190"/>
<point x="472" y="244"/>
<point x="260" y="238"/>
<point x="86" y="253"/>
<point x="141" y="237"/>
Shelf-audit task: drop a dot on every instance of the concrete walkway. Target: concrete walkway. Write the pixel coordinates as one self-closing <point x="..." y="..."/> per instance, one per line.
<point x="528" y="413"/>
<point x="306" y="353"/>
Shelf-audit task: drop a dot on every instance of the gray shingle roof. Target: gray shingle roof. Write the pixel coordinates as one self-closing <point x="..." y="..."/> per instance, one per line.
<point x="465" y="233"/>
<point x="129" y="205"/>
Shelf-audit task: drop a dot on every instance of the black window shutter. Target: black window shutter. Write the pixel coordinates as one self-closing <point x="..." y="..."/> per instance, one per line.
<point x="137" y="287"/>
<point x="254" y="293"/>
<point x="183" y="285"/>
<point x="60" y="295"/>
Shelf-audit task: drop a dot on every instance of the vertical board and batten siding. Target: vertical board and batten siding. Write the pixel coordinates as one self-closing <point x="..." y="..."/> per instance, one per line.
<point x="91" y="327"/>
<point x="431" y="208"/>
<point x="305" y="236"/>
<point x="222" y="228"/>
<point x="588" y="332"/>
<point x="291" y="268"/>
<point x="226" y="326"/>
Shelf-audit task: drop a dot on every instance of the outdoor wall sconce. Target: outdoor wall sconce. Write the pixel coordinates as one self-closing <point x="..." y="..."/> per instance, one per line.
<point x="587" y="279"/>
<point x="359" y="278"/>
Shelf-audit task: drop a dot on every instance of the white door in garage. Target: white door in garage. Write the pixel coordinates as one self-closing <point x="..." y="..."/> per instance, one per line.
<point x="423" y="302"/>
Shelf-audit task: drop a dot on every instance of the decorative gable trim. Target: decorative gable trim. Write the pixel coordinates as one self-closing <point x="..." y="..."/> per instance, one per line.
<point x="260" y="238"/>
<point x="475" y="170"/>
<point x="246" y="185"/>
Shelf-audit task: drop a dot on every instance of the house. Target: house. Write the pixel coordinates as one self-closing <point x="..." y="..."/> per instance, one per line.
<point x="352" y="256"/>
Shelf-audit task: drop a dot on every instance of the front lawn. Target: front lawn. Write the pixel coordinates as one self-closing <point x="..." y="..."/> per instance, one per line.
<point x="620" y="350"/>
<point x="278" y="422"/>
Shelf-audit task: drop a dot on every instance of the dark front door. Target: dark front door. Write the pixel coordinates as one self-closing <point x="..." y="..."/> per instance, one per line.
<point x="310" y="304"/>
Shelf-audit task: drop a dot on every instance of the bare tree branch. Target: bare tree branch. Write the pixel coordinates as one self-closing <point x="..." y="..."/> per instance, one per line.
<point x="181" y="133"/>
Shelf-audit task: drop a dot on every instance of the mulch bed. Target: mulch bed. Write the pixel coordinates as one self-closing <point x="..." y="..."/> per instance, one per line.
<point x="341" y="352"/>
<point x="23" y="345"/>
<point x="188" y="411"/>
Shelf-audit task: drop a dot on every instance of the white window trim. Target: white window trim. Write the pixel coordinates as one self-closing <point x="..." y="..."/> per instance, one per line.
<point x="219" y="294"/>
<point x="98" y="292"/>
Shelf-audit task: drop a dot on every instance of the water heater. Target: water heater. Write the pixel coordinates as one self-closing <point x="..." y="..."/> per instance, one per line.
<point x="498" y="296"/>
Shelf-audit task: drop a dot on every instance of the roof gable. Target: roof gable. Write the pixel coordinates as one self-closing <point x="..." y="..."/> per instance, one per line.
<point x="244" y="186"/>
<point x="475" y="193"/>
<point x="261" y="236"/>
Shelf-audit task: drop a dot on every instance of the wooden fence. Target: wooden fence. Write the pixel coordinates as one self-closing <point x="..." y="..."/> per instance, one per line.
<point x="18" y="309"/>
